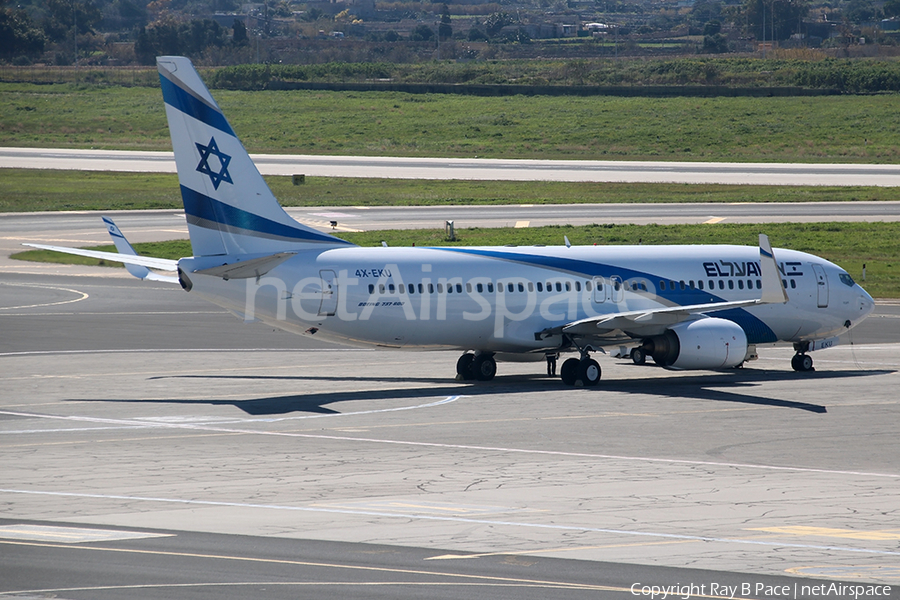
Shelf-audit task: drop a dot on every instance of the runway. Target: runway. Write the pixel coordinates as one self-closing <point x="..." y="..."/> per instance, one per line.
<point x="477" y="168"/>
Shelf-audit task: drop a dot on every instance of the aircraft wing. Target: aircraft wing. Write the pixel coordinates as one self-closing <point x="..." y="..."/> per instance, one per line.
<point x="641" y="323"/>
<point x="137" y="265"/>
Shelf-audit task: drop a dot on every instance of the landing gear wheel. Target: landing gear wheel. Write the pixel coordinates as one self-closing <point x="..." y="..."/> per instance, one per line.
<point x="464" y="367"/>
<point x="638" y="356"/>
<point x="588" y="372"/>
<point x="802" y="363"/>
<point x="484" y="367"/>
<point x="569" y="371"/>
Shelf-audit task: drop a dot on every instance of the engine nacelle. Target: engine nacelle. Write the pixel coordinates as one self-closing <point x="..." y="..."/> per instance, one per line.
<point x="708" y="343"/>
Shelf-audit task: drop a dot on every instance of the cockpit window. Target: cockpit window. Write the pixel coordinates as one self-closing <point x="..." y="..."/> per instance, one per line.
<point x="847" y="280"/>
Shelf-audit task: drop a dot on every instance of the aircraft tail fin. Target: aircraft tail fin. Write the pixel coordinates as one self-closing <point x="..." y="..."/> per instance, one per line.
<point x="228" y="205"/>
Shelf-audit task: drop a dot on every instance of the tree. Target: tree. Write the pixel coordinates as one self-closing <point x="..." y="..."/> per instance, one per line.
<point x="497" y="21"/>
<point x="171" y="38"/>
<point x="891" y="8"/>
<point x="18" y="34"/>
<point x="68" y="15"/>
<point x="774" y="19"/>
<point x="445" y="31"/>
<point x="239" y="38"/>
<point x="422" y="33"/>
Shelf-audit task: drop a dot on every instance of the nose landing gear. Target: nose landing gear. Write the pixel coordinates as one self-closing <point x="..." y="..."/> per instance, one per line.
<point x="802" y="363"/>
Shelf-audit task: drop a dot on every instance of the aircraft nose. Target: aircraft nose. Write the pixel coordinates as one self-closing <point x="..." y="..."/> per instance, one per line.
<point x="866" y="304"/>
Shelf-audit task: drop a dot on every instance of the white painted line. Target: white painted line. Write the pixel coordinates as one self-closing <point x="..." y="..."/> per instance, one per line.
<point x="71" y="535"/>
<point x="83" y="296"/>
<point x="669" y="461"/>
<point x="550" y="526"/>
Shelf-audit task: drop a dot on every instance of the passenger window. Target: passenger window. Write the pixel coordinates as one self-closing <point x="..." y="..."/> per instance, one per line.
<point x="721" y="285"/>
<point x="784" y="283"/>
<point x="588" y="286"/>
<point x="371" y="288"/>
<point x="540" y="286"/>
<point x="749" y="284"/>
<point x="440" y="288"/>
<point x="469" y="288"/>
<point x="391" y="288"/>
<point x="491" y="288"/>
<point x="712" y="284"/>
<point x="577" y="286"/>
<point x="421" y="289"/>
<point x="558" y="286"/>
<point x="681" y="284"/>
<point x="793" y="283"/>
<point x="530" y="286"/>
<point x="459" y="288"/>
<point x="731" y="284"/>
<point x="521" y="287"/>
<point x="662" y="285"/>
<point x="740" y="284"/>
<point x="480" y="288"/>
<point x="411" y="288"/>
<point x="381" y="288"/>
<point x="700" y="283"/>
<point x="691" y="284"/>
<point x="430" y="288"/>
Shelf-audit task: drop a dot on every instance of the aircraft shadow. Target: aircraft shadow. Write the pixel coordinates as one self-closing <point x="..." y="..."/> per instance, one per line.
<point x="733" y="386"/>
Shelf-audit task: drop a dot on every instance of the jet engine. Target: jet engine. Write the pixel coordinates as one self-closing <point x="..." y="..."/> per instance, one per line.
<point x="707" y="343"/>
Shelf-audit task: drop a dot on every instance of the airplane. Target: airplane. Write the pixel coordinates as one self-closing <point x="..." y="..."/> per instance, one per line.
<point x="687" y="307"/>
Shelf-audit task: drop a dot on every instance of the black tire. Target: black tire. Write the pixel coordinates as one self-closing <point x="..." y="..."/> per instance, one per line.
<point x="638" y="356"/>
<point x="589" y="372"/>
<point x="569" y="371"/>
<point x="802" y="363"/>
<point x="464" y="366"/>
<point x="484" y="367"/>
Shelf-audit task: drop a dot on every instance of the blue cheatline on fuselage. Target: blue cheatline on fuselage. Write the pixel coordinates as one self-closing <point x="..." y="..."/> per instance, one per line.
<point x="757" y="331"/>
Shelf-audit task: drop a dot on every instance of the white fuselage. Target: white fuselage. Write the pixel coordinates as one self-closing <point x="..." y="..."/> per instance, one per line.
<point x="495" y="299"/>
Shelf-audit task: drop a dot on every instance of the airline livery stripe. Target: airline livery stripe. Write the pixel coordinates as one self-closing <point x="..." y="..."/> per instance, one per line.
<point x="757" y="331"/>
<point x="176" y="97"/>
<point x="212" y="214"/>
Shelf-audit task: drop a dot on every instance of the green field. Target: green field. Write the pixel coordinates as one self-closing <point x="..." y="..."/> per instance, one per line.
<point x="849" y="245"/>
<point x="781" y="129"/>
<point x="24" y="190"/>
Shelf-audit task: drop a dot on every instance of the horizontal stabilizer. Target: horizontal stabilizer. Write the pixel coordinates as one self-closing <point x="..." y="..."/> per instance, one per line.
<point x="245" y="269"/>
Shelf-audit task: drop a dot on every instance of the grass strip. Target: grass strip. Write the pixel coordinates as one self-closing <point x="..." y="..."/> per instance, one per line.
<point x="849" y="129"/>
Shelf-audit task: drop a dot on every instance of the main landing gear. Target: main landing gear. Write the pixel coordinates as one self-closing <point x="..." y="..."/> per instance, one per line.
<point x="470" y="366"/>
<point x="584" y="371"/>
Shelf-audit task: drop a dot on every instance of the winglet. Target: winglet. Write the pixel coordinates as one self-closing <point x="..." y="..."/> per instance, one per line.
<point x="123" y="246"/>
<point x="773" y="291"/>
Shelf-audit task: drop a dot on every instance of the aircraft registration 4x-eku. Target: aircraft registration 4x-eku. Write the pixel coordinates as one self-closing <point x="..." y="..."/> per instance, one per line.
<point x="687" y="307"/>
